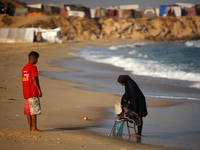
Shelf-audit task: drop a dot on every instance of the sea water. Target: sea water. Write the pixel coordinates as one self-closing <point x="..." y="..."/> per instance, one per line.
<point x="164" y="60"/>
<point x="162" y="70"/>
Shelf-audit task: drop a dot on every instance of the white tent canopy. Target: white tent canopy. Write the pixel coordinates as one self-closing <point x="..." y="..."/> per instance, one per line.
<point x="17" y="35"/>
<point x="187" y="5"/>
<point x="52" y="36"/>
<point x="23" y="35"/>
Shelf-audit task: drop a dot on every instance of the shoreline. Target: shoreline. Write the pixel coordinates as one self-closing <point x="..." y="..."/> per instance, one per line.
<point x="60" y="101"/>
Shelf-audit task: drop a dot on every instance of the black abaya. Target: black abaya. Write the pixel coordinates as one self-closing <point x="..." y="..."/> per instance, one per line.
<point x="134" y="95"/>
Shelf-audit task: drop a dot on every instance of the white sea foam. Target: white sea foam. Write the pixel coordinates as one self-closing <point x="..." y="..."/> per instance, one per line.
<point x="172" y="97"/>
<point x="196" y="85"/>
<point x="127" y="45"/>
<point x="193" y="43"/>
<point x="150" y="68"/>
<point x="144" y="66"/>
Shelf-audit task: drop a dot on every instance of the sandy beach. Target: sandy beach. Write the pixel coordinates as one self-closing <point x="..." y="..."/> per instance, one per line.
<point x="63" y="105"/>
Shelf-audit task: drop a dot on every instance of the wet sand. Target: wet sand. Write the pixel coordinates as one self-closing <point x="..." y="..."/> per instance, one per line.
<point x="63" y="105"/>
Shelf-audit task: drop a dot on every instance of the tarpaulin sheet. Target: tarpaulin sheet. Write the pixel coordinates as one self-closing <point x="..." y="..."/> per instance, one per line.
<point x="3" y="34"/>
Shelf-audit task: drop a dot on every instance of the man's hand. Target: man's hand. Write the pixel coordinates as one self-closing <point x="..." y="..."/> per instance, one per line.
<point x="40" y="93"/>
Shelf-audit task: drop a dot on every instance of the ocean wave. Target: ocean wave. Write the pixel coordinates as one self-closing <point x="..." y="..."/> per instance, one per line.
<point x="196" y="85"/>
<point x="172" y="97"/>
<point x="127" y="45"/>
<point x="147" y="61"/>
<point x="150" y="68"/>
<point x="193" y="43"/>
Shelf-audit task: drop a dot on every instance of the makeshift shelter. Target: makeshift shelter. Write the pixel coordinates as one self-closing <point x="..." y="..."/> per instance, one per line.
<point x="3" y="34"/>
<point x="78" y="11"/>
<point x="157" y="10"/>
<point x="198" y="10"/>
<point x="21" y="12"/>
<point x="34" y="8"/>
<point x="175" y="11"/>
<point x="165" y="9"/>
<point x="6" y="8"/>
<point x="113" y="13"/>
<point x="188" y="9"/>
<point x="55" y="10"/>
<point x="136" y="13"/>
<point x="130" y="13"/>
<point x="46" y="9"/>
<point x="2" y="8"/>
<point x="134" y="6"/>
<point x="22" y="35"/>
<point x="102" y="12"/>
<point x="17" y="35"/>
<point x="52" y="36"/>
<point x="127" y="13"/>
<point x="93" y="13"/>
<point x="63" y="11"/>
<point x="149" y="13"/>
<point x="29" y="35"/>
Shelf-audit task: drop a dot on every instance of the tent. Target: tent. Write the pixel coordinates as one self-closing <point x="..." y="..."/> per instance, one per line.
<point x="188" y="9"/>
<point x="17" y="35"/>
<point x="198" y="10"/>
<point x="176" y="11"/>
<point x="113" y="13"/>
<point x="34" y="8"/>
<point x="102" y="12"/>
<point x="157" y="10"/>
<point x="22" y="35"/>
<point x="136" y="13"/>
<point x="134" y="6"/>
<point x="52" y="35"/>
<point x="21" y="12"/>
<point x="5" y="8"/>
<point x="165" y="9"/>
<point x="93" y="13"/>
<point x="78" y="11"/>
<point x="3" y="34"/>
<point x="127" y="13"/>
<point x="149" y="13"/>
<point x="46" y="9"/>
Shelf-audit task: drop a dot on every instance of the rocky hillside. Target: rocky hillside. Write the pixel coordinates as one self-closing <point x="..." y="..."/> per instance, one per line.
<point x="155" y="29"/>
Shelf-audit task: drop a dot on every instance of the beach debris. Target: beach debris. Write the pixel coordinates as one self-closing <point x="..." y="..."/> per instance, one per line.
<point x="12" y="99"/>
<point x="85" y="118"/>
<point x="3" y="88"/>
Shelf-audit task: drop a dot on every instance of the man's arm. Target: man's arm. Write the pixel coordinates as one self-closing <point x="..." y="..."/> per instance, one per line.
<point x="36" y="83"/>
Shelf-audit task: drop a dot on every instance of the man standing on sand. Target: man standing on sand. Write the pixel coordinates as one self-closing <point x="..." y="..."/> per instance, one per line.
<point x="31" y="91"/>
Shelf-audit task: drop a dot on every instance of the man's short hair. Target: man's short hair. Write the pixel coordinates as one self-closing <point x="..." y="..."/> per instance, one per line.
<point x="34" y="54"/>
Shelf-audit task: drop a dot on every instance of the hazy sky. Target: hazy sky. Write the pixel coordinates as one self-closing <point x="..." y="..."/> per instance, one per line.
<point x="106" y="3"/>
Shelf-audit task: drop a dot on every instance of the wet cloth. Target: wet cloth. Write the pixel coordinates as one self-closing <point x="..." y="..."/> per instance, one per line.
<point x="133" y="117"/>
<point x="32" y="106"/>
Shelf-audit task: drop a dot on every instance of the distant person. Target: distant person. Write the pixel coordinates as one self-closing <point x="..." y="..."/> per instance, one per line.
<point x="31" y="91"/>
<point x="133" y="99"/>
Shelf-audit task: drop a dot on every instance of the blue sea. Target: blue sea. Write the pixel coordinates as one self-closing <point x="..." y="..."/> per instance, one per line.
<point x="163" y="71"/>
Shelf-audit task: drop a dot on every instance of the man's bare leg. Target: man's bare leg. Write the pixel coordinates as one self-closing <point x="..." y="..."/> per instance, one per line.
<point x="29" y="122"/>
<point x="34" y="122"/>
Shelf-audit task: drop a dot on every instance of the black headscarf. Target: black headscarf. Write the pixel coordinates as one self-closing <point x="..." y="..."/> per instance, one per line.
<point x="134" y="95"/>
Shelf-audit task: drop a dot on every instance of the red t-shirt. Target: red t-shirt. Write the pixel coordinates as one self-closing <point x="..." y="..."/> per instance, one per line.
<point x="29" y="89"/>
